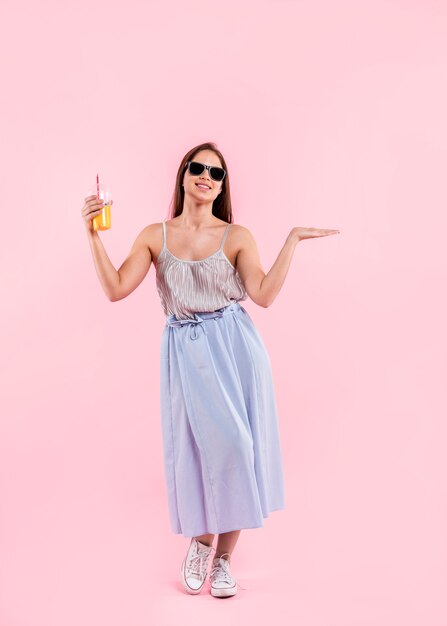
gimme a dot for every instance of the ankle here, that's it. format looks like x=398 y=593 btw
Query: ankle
x=207 y=540
x=205 y=543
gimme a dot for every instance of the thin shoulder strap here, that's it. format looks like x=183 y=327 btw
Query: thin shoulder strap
x=164 y=235
x=225 y=236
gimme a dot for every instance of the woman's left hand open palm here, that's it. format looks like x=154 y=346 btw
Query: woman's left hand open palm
x=302 y=232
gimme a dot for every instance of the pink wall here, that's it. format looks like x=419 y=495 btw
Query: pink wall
x=330 y=114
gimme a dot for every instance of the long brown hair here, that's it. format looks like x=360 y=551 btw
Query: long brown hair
x=221 y=205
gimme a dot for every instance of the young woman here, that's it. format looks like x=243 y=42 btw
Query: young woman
x=222 y=453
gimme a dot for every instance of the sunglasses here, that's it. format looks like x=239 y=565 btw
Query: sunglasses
x=195 y=169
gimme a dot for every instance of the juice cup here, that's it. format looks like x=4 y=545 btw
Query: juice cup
x=102 y=221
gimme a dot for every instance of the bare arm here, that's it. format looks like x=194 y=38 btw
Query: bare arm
x=107 y=274
x=117 y=284
x=261 y=287
x=135 y=267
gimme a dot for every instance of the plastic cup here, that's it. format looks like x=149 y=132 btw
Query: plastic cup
x=102 y=221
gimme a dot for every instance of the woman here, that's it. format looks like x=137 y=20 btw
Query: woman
x=222 y=454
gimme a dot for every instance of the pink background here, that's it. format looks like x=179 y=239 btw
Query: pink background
x=331 y=115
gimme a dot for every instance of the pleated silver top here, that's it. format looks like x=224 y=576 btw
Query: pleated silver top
x=188 y=287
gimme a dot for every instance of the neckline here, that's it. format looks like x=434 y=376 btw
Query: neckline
x=191 y=261
x=200 y=260
x=210 y=256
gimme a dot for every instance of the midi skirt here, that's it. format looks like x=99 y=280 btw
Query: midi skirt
x=220 y=432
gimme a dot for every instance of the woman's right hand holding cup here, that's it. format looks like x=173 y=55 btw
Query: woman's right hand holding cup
x=92 y=207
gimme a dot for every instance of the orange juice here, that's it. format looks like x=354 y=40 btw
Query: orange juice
x=103 y=220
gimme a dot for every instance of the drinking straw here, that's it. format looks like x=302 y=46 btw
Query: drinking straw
x=97 y=185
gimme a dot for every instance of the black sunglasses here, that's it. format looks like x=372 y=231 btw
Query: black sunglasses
x=195 y=169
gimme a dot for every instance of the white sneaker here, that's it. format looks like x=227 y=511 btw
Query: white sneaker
x=222 y=584
x=195 y=566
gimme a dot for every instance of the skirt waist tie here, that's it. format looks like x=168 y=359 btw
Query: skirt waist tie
x=193 y=323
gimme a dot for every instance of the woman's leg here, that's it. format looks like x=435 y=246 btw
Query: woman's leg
x=206 y=539
x=226 y=543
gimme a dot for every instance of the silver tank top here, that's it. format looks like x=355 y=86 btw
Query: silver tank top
x=188 y=287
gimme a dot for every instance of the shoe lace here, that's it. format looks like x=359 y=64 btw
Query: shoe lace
x=220 y=572
x=198 y=563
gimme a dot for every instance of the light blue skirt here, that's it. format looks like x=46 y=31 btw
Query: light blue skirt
x=222 y=453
